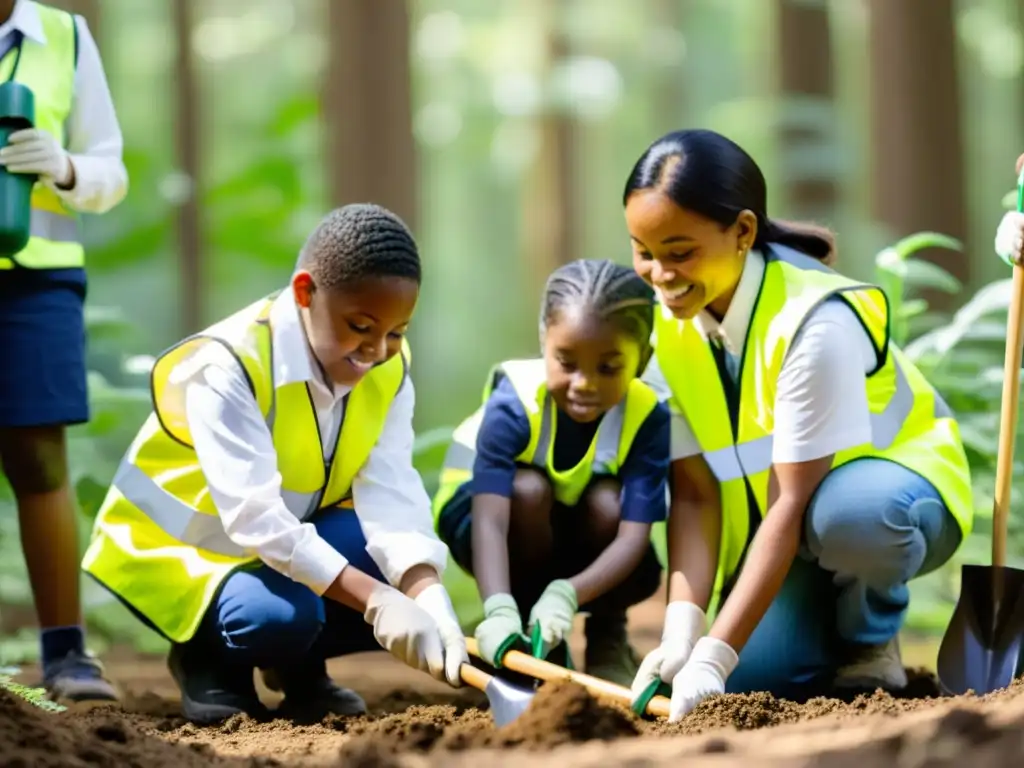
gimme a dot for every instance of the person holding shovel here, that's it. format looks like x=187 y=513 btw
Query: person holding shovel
x=1009 y=241
x=549 y=490
x=814 y=470
x=74 y=150
x=268 y=514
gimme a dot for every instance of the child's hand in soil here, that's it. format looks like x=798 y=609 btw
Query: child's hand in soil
x=703 y=675
x=685 y=624
x=554 y=612
x=1010 y=237
x=501 y=623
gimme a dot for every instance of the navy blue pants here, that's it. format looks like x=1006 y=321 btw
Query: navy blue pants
x=455 y=528
x=262 y=618
x=42 y=339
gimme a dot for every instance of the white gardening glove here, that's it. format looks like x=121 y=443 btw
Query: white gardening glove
x=33 y=150
x=435 y=601
x=703 y=675
x=405 y=630
x=501 y=622
x=554 y=612
x=1010 y=237
x=685 y=624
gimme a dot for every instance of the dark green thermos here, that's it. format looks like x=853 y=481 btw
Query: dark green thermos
x=17 y=111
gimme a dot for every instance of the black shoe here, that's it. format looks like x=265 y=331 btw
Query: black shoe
x=77 y=677
x=310 y=694
x=212 y=691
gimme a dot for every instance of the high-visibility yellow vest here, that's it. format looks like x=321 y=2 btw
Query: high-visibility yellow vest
x=911 y=425
x=158 y=542
x=49 y=71
x=606 y=454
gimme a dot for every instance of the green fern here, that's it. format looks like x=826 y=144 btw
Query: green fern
x=34 y=696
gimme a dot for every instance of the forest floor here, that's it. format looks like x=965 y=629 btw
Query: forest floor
x=414 y=721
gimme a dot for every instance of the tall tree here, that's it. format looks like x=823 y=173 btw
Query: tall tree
x=806 y=76
x=367 y=104
x=549 y=236
x=917 y=163
x=187 y=137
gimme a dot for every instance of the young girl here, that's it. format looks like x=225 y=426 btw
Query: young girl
x=230 y=528
x=550 y=489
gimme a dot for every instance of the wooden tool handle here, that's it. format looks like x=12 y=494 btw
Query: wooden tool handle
x=474 y=677
x=1008 y=417
x=545 y=670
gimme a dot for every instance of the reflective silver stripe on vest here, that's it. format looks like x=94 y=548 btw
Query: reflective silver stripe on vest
x=609 y=433
x=459 y=456
x=54 y=227
x=753 y=456
x=173 y=516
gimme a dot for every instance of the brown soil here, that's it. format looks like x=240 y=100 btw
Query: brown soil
x=416 y=722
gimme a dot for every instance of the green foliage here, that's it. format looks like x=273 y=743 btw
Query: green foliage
x=961 y=354
x=34 y=696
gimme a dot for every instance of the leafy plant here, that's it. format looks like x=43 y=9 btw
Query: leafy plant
x=961 y=354
x=34 y=696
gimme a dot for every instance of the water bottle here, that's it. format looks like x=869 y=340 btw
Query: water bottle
x=17 y=111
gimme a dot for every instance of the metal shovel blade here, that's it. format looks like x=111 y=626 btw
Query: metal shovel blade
x=981 y=650
x=508 y=701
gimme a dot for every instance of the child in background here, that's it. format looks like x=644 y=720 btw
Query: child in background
x=550 y=488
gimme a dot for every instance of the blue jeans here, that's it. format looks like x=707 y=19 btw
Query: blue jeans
x=871 y=526
x=262 y=618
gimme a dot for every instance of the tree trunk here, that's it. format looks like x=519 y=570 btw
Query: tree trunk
x=187 y=150
x=367 y=105
x=917 y=168
x=805 y=51
x=548 y=236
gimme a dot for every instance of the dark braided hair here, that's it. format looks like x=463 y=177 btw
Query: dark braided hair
x=358 y=241
x=608 y=291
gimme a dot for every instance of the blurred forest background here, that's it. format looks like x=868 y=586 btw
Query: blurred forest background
x=503 y=132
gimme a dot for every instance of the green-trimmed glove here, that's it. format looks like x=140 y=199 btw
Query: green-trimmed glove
x=554 y=612
x=501 y=627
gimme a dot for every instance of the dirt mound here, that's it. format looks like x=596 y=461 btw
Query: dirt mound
x=560 y=713
x=30 y=737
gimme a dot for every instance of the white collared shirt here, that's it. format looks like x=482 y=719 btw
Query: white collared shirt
x=821 y=402
x=93 y=134
x=236 y=452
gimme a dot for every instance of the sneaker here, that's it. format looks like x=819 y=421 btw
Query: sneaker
x=874 y=666
x=313 y=695
x=212 y=691
x=609 y=655
x=78 y=677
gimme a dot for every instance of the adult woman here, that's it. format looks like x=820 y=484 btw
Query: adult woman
x=814 y=471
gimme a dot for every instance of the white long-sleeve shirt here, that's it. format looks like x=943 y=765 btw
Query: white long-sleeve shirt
x=236 y=452
x=93 y=134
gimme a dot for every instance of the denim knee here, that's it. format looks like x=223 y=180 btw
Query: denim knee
x=876 y=522
x=265 y=627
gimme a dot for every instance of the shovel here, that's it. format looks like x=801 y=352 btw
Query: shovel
x=981 y=649
x=602 y=690
x=507 y=701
